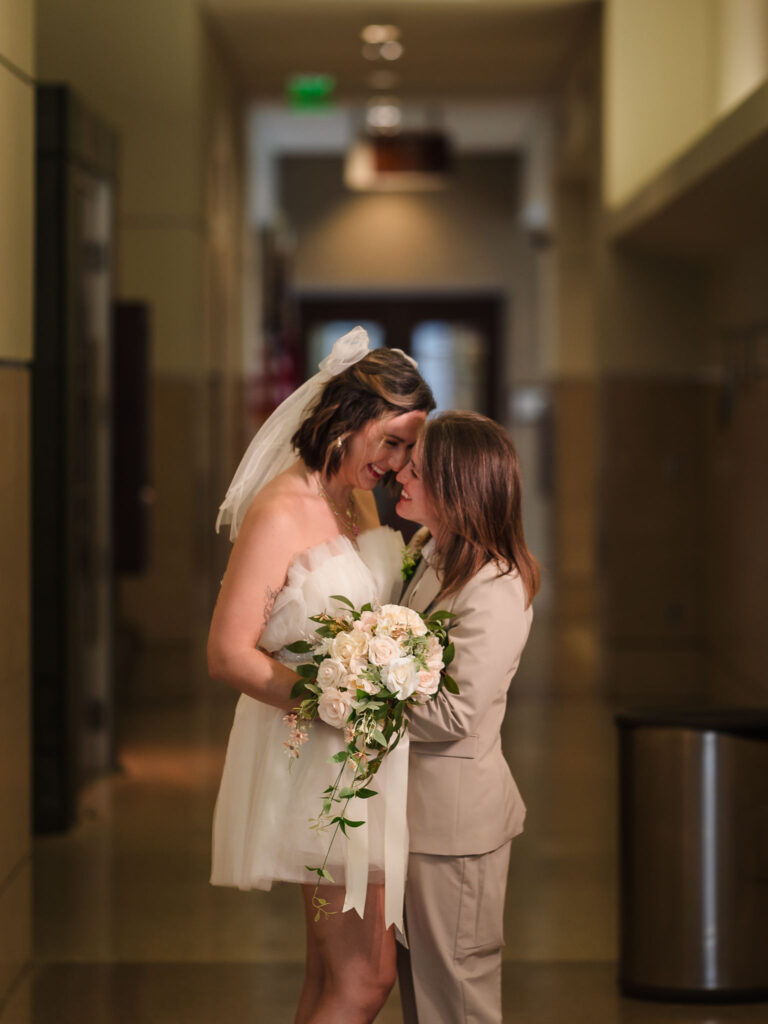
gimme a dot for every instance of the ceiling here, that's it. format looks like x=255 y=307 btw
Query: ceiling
x=452 y=48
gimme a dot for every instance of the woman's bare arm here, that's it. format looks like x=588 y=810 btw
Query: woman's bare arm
x=256 y=572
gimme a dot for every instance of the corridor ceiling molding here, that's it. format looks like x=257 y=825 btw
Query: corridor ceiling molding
x=468 y=48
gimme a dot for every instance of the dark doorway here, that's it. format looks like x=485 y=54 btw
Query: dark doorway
x=456 y=339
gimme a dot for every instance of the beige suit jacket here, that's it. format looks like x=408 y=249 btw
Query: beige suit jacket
x=462 y=799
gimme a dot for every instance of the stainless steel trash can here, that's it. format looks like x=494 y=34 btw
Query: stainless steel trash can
x=694 y=855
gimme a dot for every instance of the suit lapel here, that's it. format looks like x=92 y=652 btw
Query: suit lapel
x=423 y=588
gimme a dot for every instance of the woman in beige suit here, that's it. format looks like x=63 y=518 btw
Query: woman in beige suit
x=463 y=484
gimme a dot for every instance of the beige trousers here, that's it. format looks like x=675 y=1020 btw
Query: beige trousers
x=454 y=919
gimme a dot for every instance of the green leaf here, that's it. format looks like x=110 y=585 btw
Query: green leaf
x=346 y=793
x=325 y=631
x=365 y=794
x=450 y=684
x=367 y=607
x=448 y=654
x=379 y=737
x=352 y=824
x=344 y=600
x=341 y=756
x=324 y=873
x=441 y=615
x=298 y=689
x=299 y=647
x=308 y=671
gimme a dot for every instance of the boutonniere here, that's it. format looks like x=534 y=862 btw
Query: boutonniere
x=410 y=564
x=412 y=554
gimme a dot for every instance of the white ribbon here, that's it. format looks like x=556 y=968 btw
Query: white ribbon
x=357 y=859
x=395 y=796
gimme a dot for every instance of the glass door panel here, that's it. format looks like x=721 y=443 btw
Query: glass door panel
x=453 y=359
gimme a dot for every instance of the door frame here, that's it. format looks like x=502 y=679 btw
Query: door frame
x=399 y=311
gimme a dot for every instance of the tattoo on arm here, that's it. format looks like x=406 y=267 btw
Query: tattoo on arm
x=270 y=596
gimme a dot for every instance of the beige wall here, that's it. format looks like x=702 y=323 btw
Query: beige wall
x=737 y=482
x=457 y=240
x=672 y=69
x=16 y=249
x=742 y=58
x=683 y=502
x=152 y=72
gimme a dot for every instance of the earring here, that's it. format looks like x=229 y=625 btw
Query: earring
x=339 y=442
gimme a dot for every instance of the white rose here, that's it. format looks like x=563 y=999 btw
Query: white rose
x=330 y=673
x=346 y=646
x=391 y=616
x=400 y=677
x=356 y=665
x=414 y=622
x=333 y=707
x=434 y=654
x=427 y=682
x=384 y=649
x=369 y=686
x=352 y=682
x=366 y=622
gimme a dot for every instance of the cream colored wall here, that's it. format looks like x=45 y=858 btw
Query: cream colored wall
x=742 y=29
x=679 y=468
x=465 y=238
x=140 y=66
x=16 y=253
x=672 y=68
x=659 y=83
x=147 y=69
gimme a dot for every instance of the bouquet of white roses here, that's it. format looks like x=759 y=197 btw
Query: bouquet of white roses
x=365 y=668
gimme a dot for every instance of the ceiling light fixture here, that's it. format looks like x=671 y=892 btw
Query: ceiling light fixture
x=391 y=50
x=383 y=114
x=378 y=34
x=406 y=162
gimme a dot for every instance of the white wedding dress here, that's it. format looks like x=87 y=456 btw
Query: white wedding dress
x=261 y=826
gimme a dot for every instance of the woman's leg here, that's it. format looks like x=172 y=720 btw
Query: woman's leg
x=454 y=912
x=350 y=962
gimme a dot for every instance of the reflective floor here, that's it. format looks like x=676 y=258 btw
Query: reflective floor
x=127 y=930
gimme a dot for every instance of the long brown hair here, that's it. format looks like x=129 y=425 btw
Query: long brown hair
x=384 y=382
x=471 y=473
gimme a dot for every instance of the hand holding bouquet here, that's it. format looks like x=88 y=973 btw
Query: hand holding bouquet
x=366 y=668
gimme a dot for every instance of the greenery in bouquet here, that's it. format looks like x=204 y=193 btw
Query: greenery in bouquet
x=364 y=669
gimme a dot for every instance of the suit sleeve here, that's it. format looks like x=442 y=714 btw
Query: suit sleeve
x=490 y=629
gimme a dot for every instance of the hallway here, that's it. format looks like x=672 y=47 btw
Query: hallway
x=128 y=931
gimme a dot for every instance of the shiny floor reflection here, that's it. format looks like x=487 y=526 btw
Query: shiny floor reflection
x=128 y=931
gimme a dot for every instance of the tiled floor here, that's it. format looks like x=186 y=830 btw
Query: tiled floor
x=127 y=930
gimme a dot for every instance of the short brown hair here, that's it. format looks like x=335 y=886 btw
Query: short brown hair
x=471 y=473
x=384 y=382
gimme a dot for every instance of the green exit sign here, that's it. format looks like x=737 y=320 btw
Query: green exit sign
x=310 y=92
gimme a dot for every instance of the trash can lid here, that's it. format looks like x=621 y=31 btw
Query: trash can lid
x=751 y=722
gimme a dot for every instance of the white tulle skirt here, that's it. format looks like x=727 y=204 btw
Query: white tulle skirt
x=267 y=802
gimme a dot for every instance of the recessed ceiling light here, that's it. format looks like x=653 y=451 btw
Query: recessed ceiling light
x=371 y=51
x=378 y=34
x=383 y=114
x=391 y=50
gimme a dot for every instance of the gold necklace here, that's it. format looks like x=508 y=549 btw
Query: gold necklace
x=348 y=517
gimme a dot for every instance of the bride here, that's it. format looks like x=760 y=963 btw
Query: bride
x=305 y=527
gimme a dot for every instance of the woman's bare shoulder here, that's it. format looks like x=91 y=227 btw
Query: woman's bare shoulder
x=282 y=513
